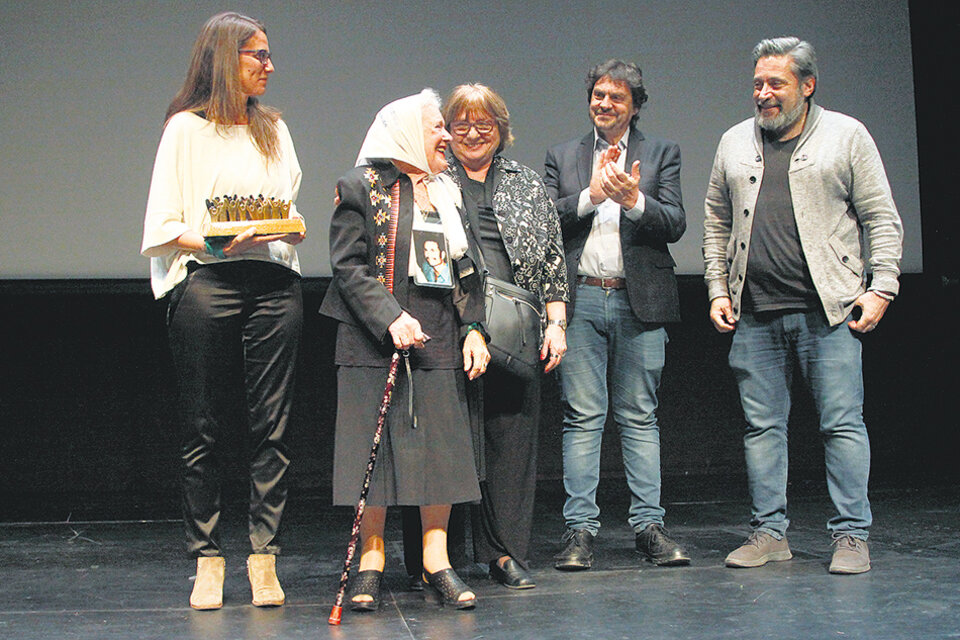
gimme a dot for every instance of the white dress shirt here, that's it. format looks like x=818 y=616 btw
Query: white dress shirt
x=602 y=256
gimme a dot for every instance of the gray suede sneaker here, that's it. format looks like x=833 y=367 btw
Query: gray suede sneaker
x=759 y=549
x=850 y=555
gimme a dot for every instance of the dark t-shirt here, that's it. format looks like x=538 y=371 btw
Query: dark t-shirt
x=478 y=201
x=777 y=274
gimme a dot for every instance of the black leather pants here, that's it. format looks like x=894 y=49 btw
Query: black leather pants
x=235 y=332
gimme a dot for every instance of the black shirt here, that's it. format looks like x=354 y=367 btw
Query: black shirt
x=478 y=201
x=777 y=275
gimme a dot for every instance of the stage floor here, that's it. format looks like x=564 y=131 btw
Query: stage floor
x=130 y=579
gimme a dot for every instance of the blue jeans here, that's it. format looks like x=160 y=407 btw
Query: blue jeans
x=612 y=358
x=764 y=352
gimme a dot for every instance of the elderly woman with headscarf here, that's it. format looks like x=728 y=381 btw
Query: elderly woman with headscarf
x=392 y=204
x=235 y=310
x=517 y=229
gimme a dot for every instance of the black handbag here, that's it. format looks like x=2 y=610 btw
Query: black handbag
x=514 y=324
x=512 y=313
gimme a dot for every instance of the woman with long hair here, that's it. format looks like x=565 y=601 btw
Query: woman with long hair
x=235 y=310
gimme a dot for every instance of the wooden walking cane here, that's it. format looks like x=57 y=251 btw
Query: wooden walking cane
x=337 y=611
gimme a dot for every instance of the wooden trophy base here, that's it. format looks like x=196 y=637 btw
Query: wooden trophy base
x=263 y=227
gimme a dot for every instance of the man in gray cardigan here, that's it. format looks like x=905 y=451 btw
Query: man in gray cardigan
x=791 y=191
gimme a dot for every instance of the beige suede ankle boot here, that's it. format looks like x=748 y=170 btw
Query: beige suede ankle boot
x=208 y=586
x=262 y=569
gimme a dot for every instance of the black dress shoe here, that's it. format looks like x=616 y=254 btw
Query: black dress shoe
x=577 y=553
x=511 y=575
x=654 y=543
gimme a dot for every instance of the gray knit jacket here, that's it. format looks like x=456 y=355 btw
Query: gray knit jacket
x=840 y=196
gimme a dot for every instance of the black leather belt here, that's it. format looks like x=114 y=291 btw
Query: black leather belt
x=605 y=283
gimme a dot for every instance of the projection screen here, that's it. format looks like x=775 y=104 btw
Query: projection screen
x=84 y=87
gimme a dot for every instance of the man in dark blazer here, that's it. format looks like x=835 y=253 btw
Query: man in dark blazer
x=618 y=196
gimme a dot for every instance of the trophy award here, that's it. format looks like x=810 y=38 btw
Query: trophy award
x=232 y=215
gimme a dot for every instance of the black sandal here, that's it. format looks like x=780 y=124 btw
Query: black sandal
x=366 y=583
x=448 y=586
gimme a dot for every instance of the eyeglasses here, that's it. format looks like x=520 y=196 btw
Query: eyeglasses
x=262 y=55
x=483 y=127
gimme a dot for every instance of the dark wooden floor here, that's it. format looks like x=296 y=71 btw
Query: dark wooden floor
x=130 y=579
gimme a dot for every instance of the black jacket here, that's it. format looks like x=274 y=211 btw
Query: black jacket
x=356 y=297
x=647 y=263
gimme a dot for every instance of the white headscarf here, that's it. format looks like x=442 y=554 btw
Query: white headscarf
x=397 y=134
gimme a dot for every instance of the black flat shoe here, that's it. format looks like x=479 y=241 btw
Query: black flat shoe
x=365 y=583
x=511 y=575
x=415 y=583
x=448 y=587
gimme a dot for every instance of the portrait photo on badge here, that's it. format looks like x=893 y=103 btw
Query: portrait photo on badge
x=433 y=264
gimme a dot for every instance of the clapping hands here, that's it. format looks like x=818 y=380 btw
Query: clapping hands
x=609 y=181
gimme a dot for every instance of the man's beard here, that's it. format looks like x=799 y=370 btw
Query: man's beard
x=783 y=120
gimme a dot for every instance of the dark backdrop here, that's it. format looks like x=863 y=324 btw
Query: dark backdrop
x=88 y=425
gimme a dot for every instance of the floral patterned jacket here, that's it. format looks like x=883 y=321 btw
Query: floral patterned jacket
x=530 y=229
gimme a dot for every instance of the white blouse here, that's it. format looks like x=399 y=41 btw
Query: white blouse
x=194 y=163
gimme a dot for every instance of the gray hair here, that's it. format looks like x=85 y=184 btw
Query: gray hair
x=431 y=97
x=803 y=59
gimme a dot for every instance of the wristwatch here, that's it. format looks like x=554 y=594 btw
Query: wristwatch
x=560 y=323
